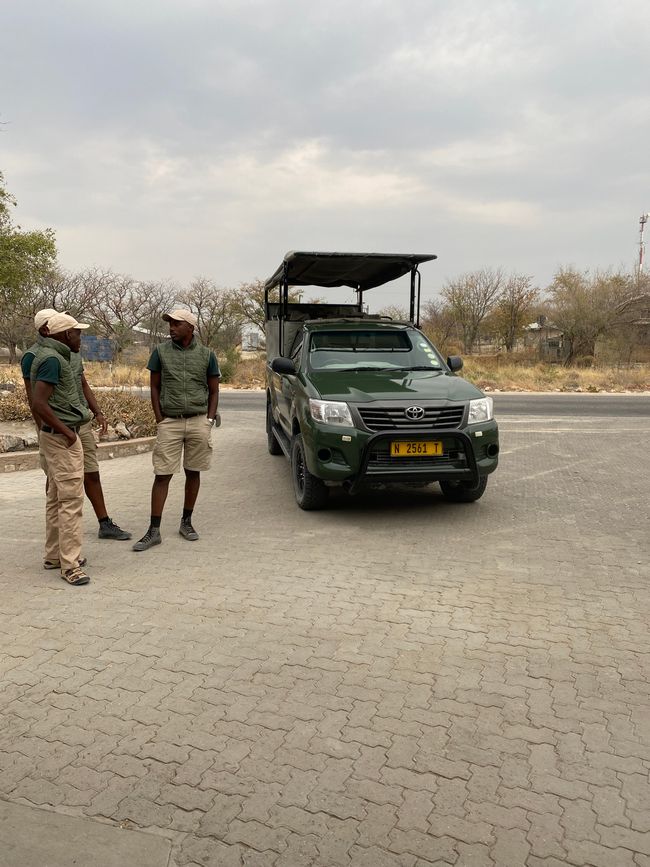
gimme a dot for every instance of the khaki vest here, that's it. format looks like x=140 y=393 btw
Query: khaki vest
x=64 y=400
x=184 y=378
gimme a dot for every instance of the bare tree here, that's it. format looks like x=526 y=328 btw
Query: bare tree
x=471 y=297
x=439 y=324
x=249 y=302
x=117 y=303
x=513 y=308
x=587 y=307
x=393 y=311
x=160 y=300
x=219 y=315
x=66 y=291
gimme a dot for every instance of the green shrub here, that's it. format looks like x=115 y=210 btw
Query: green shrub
x=228 y=364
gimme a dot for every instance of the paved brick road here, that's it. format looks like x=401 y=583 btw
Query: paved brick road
x=397 y=681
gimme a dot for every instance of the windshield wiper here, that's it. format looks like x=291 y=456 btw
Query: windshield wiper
x=361 y=368
x=420 y=367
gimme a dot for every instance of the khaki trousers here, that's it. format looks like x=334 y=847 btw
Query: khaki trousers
x=64 y=501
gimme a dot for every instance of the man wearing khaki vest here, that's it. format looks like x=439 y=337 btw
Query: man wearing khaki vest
x=108 y=529
x=55 y=401
x=184 y=396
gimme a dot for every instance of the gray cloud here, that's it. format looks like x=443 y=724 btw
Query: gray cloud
x=179 y=137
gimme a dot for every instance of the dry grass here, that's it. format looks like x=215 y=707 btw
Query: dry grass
x=100 y=373
x=250 y=373
x=499 y=374
x=117 y=406
x=492 y=373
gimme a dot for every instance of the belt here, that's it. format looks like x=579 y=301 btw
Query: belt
x=188 y=415
x=45 y=428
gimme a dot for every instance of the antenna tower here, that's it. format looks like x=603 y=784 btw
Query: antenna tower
x=642 y=222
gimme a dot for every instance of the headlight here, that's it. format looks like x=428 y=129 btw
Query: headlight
x=481 y=410
x=331 y=412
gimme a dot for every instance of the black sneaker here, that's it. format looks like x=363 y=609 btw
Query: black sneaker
x=110 y=530
x=151 y=537
x=188 y=532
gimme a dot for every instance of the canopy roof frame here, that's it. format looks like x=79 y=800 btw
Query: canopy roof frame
x=359 y=271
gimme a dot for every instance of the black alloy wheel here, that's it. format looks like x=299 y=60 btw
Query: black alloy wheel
x=311 y=493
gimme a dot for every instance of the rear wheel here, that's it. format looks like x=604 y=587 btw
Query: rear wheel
x=272 y=443
x=311 y=493
x=464 y=492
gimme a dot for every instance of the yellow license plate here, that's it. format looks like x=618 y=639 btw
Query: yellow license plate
x=415 y=449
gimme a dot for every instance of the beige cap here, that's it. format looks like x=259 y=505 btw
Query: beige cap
x=181 y=316
x=62 y=322
x=42 y=316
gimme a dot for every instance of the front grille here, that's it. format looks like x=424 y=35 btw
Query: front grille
x=385 y=418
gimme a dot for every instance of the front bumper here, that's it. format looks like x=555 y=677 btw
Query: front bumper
x=357 y=457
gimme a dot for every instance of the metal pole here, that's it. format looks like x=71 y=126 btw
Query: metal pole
x=642 y=222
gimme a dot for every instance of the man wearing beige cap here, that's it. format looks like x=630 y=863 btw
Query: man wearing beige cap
x=184 y=396
x=55 y=401
x=108 y=529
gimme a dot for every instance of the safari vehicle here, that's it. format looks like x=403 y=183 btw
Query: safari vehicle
x=358 y=400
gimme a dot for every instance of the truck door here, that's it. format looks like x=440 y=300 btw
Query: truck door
x=286 y=388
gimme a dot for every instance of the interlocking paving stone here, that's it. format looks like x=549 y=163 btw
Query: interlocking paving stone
x=396 y=680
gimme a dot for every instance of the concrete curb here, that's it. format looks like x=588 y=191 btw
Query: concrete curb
x=32 y=836
x=11 y=462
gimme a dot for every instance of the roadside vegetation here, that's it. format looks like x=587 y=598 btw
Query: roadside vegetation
x=593 y=326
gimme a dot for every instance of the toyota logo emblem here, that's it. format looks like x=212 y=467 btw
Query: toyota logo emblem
x=414 y=412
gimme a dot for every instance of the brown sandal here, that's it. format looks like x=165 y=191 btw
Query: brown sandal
x=76 y=576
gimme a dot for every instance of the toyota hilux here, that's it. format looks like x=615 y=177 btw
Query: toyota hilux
x=357 y=400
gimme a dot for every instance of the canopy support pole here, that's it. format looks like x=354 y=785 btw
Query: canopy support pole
x=283 y=308
x=414 y=307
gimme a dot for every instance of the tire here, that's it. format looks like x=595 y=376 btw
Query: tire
x=311 y=493
x=464 y=492
x=272 y=443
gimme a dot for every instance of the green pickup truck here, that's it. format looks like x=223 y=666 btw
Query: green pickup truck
x=357 y=400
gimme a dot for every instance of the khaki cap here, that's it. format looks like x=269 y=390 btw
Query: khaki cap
x=62 y=322
x=42 y=316
x=181 y=316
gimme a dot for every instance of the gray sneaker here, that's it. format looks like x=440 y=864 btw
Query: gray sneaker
x=110 y=530
x=188 y=532
x=151 y=537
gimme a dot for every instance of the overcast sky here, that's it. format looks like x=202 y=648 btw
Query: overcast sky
x=175 y=138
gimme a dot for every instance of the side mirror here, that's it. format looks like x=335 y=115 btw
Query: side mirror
x=454 y=363
x=284 y=366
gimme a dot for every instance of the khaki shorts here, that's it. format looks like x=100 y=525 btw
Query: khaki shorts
x=190 y=436
x=85 y=434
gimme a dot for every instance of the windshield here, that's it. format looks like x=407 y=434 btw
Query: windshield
x=372 y=350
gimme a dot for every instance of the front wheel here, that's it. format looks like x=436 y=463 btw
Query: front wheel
x=311 y=493
x=272 y=443
x=464 y=492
